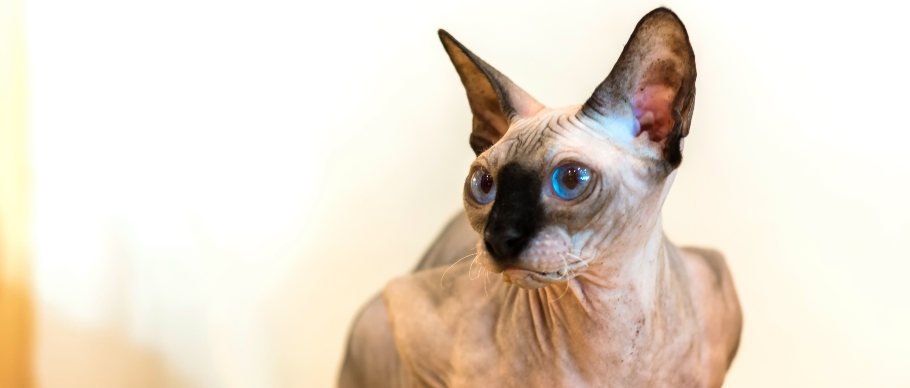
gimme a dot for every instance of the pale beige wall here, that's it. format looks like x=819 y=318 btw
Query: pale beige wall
x=220 y=186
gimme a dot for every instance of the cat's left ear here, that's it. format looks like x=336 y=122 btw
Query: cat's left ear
x=495 y=100
x=654 y=82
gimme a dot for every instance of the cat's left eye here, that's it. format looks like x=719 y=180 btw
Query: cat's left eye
x=569 y=181
x=482 y=186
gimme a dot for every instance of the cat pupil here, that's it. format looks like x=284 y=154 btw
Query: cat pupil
x=570 y=179
x=486 y=183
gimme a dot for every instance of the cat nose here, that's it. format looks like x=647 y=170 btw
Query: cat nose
x=505 y=244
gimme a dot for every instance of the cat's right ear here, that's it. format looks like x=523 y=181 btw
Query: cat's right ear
x=495 y=101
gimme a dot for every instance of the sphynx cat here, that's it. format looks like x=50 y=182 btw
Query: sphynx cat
x=574 y=282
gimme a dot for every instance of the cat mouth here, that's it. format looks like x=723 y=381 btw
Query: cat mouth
x=532 y=279
x=550 y=275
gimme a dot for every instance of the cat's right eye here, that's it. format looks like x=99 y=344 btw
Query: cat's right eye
x=570 y=180
x=482 y=187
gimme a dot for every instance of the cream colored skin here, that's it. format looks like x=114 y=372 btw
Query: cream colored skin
x=599 y=297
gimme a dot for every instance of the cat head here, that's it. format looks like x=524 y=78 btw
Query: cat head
x=552 y=190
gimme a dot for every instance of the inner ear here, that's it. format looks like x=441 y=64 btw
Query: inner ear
x=652 y=108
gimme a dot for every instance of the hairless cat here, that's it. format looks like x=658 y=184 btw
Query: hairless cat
x=575 y=282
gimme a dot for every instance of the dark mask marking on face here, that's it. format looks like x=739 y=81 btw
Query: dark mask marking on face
x=517 y=213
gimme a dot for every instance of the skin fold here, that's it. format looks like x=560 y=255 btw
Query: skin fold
x=533 y=289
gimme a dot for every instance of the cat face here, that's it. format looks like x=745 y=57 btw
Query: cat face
x=557 y=192
x=554 y=190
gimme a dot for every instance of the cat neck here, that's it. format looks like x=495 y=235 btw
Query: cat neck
x=620 y=303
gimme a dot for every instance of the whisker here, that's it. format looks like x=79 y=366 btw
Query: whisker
x=485 y=280
x=453 y=264
x=563 y=293
x=565 y=266
x=471 y=269
x=580 y=260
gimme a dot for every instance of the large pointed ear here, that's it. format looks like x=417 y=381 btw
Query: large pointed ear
x=654 y=80
x=495 y=101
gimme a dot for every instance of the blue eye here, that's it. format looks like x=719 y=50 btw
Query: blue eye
x=482 y=187
x=569 y=181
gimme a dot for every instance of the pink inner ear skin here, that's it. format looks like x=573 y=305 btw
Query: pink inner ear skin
x=652 y=110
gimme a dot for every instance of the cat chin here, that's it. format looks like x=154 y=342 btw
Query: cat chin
x=531 y=280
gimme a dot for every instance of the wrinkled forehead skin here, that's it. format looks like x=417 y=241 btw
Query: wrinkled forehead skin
x=567 y=130
x=552 y=131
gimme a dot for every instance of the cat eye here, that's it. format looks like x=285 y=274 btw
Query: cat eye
x=570 y=180
x=482 y=187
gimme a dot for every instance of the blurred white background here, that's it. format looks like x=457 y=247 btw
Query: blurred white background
x=221 y=185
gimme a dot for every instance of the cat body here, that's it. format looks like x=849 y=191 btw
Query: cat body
x=572 y=281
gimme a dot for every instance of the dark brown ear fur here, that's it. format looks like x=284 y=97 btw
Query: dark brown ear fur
x=495 y=101
x=654 y=79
